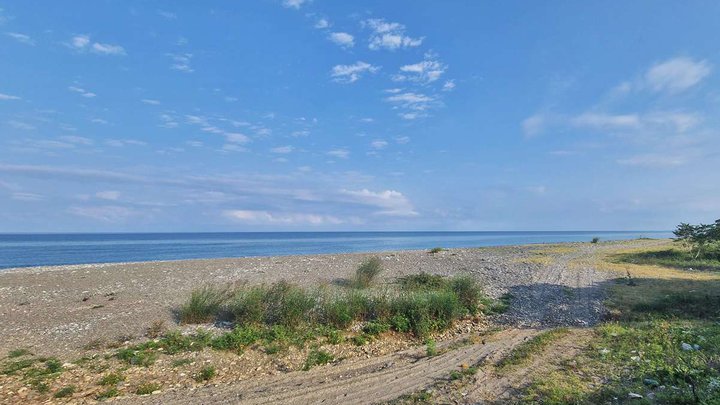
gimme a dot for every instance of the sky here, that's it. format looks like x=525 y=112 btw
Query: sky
x=300 y=115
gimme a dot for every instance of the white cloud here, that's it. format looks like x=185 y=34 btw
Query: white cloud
x=236 y=137
x=402 y=140
x=22 y=38
x=167 y=14
x=283 y=149
x=118 y=143
x=300 y=133
x=83 y=43
x=653 y=161
x=296 y=4
x=29 y=197
x=79 y=140
x=414 y=104
x=108 y=195
x=150 y=101
x=322 y=23
x=378 y=144
x=181 y=62
x=82 y=92
x=427 y=71
x=449 y=85
x=21 y=125
x=339 y=153
x=343 y=39
x=390 y=36
x=99 y=121
x=606 y=121
x=677 y=74
x=352 y=73
x=390 y=202
x=108 y=49
x=4 y=96
x=281 y=218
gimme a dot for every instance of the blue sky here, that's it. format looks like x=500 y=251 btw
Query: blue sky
x=374 y=115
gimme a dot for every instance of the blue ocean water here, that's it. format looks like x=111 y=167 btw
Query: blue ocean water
x=22 y=250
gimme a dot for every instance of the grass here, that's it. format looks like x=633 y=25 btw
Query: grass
x=422 y=304
x=206 y=373
x=525 y=350
x=147 y=389
x=317 y=357
x=640 y=350
x=18 y=353
x=203 y=305
x=430 y=348
x=112 y=379
x=366 y=273
x=435 y=250
x=108 y=393
x=674 y=257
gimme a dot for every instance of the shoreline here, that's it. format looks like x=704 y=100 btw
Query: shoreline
x=80 y=266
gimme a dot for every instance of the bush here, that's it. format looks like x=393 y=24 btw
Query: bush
x=317 y=357
x=206 y=374
x=431 y=348
x=366 y=272
x=65 y=391
x=147 y=389
x=422 y=281
x=204 y=305
x=595 y=240
x=468 y=292
x=435 y=250
x=112 y=379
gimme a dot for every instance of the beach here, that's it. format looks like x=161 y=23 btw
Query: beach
x=70 y=311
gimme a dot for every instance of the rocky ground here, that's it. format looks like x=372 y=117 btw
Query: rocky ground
x=86 y=310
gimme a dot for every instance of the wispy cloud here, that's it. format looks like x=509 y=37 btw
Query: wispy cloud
x=390 y=202
x=296 y=4
x=4 y=96
x=150 y=101
x=281 y=218
x=677 y=74
x=83 y=43
x=82 y=92
x=22 y=38
x=283 y=149
x=322 y=24
x=378 y=144
x=181 y=62
x=413 y=105
x=352 y=73
x=343 y=39
x=339 y=153
x=167 y=14
x=387 y=35
x=427 y=71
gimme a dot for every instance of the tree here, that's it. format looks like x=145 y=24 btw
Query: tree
x=697 y=237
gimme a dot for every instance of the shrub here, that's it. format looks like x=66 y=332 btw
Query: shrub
x=400 y=323
x=147 y=389
x=238 y=339
x=112 y=379
x=422 y=281
x=288 y=305
x=248 y=305
x=204 y=304
x=467 y=291
x=435 y=250
x=375 y=328
x=65 y=391
x=108 y=393
x=595 y=240
x=317 y=357
x=18 y=353
x=431 y=348
x=366 y=272
x=206 y=374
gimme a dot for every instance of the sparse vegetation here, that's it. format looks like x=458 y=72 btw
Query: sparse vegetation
x=435 y=250
x=147 y=389
x=366 y=272
x=112 y=379
x=156 y=329
x=317 y=357
x=108 y=393
x=524 y=351
x=430 y=348
x=206 y=374
x=203 y=305
x=595 y=240
x=65 y=392
x=18 y=353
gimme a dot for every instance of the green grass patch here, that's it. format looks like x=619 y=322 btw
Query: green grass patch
x=317 y=357
x=676 y=258
x=18 y=353
x=203 y=305
x=435 y=250
x=431 y=348
x=206 y=373
x=108 y=393
x=65 y=392
x=525 y=350
x=147 y=389
x=111 y=379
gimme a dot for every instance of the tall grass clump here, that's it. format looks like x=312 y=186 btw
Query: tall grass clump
x=281 y=303
x=366 y=272
x=204 y=304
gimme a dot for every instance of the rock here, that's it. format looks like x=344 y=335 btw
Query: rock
x=688 y=347
x=633 y=395
x=651 y=382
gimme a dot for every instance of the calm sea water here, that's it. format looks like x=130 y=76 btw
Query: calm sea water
x=24 y=250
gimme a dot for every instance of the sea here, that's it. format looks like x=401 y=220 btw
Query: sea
x=25 y=250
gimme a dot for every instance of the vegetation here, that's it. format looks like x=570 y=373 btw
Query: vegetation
x=595 y=240
x=18 y=353
x=676 y=258
x=112 y=379
x=203 y=305
x=65 y=391
x=206 y=374
x=430 y=348
x=317 y=357
x=697 y=237
x=108 y=393
x=524 y=351
x=147 y=389
x=435 y=250
x=366 y=273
